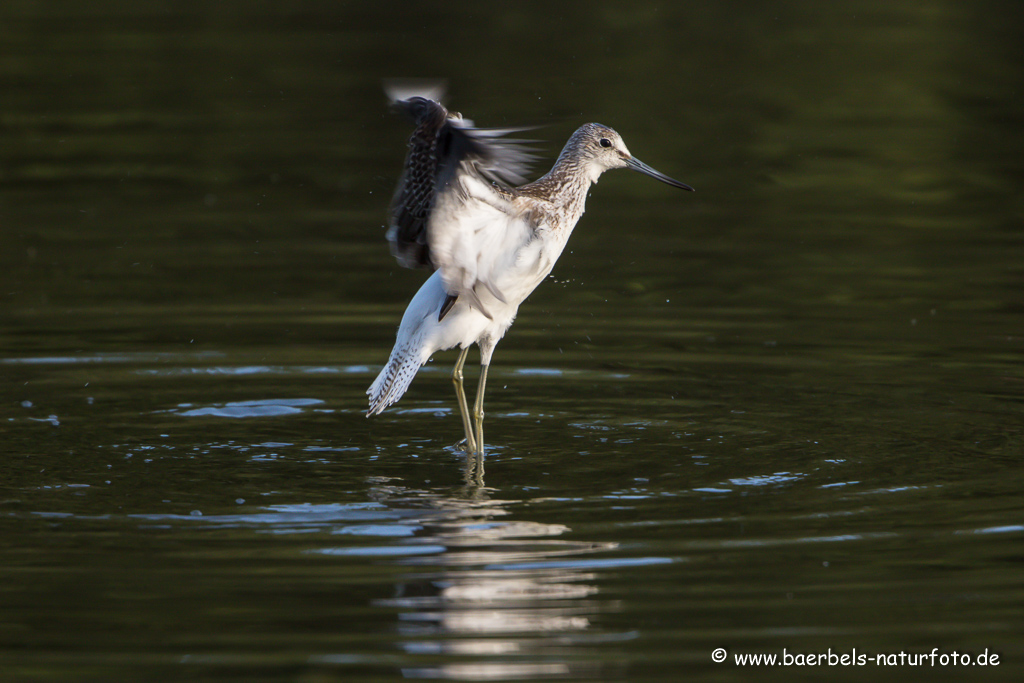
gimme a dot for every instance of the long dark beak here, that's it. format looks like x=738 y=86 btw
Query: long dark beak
x=637 y=165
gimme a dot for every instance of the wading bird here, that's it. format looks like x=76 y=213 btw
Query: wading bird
x=458 y=210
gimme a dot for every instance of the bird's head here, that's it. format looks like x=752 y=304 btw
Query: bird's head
x=601 y=149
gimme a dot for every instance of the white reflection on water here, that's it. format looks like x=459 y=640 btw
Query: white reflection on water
x=504 y=592
x=271 y=407
x=767 y=479
x=492 y=671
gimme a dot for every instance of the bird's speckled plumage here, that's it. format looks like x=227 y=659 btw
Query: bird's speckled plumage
x=415 y=194
x=490 y=243
x=440 y=142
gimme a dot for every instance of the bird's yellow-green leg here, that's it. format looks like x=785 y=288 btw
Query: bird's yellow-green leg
x=478 y=410
x=460 y=394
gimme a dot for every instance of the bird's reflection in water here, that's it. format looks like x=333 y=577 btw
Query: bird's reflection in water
x=473 y=474
x=504 y=599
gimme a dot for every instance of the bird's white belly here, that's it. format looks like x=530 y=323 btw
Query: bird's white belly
x=462 y=326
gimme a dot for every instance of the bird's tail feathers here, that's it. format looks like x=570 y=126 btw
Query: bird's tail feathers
x=393 y=381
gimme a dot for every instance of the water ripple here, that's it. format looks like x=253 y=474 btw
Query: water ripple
x=269 y=407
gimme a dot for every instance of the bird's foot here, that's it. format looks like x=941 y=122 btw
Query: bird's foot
x=463 y=445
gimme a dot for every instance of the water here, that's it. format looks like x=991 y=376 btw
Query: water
x=782 y=414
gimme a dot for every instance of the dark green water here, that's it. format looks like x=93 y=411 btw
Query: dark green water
x=782 y=414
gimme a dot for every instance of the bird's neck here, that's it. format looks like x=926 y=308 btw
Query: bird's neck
x=567 y=183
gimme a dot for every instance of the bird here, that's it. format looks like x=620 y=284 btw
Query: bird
x=463 y=208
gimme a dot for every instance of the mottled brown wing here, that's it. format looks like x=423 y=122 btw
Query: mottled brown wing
x=441 y=147
x=410 y=207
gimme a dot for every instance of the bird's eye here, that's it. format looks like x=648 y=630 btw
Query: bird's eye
x=605 y=142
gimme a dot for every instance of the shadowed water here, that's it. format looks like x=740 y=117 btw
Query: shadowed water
x=781 y=413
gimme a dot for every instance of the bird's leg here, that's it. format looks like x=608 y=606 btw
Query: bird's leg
x=478 y=410
x=460 y=394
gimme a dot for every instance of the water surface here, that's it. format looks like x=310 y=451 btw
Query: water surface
x=781 y=413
